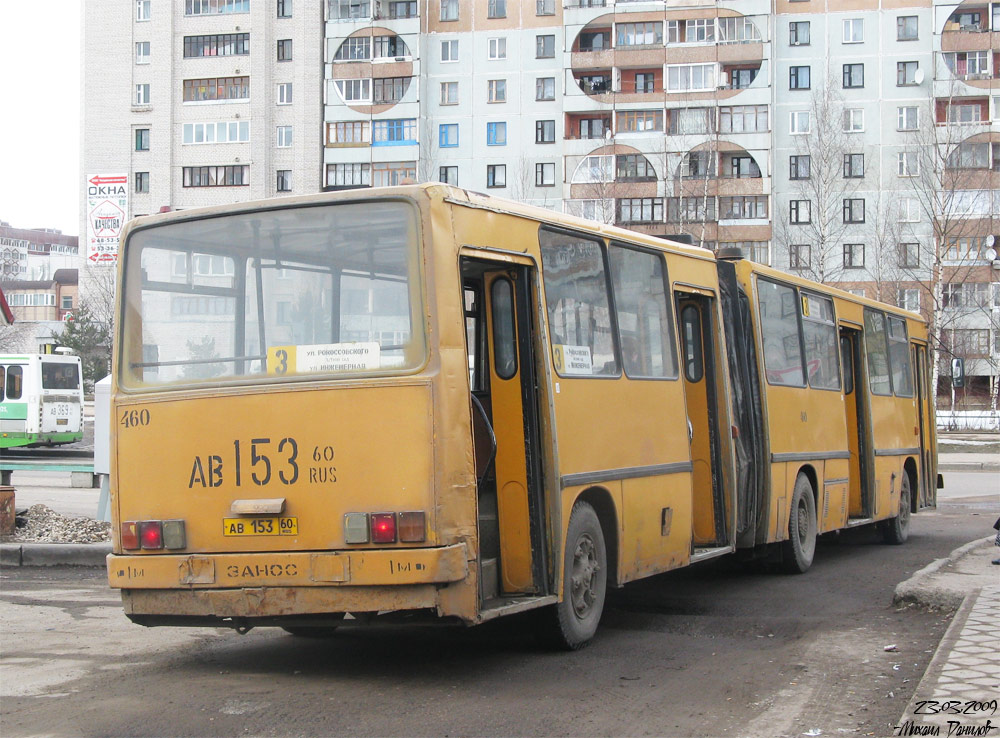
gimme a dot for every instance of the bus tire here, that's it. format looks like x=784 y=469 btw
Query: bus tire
x=573 y=622
x=896 y=530
x=799 y=549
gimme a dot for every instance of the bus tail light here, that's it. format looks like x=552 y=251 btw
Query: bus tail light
x=411 y=527
x=356 y=528
x=130 y=535
x=174 y=536
x=151 y=534
x=383 y=527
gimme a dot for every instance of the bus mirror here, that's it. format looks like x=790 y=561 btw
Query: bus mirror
x=958 y=372
x=940 y=481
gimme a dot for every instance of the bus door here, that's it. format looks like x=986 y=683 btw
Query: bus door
x=502 y=367
x=927 y=493
x=860 y=465
x=694 y=313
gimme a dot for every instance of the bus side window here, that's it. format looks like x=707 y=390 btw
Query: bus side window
x=3 y=380
x=847 y=359
x=504 y=334
x=15 y=378
x=691 y=334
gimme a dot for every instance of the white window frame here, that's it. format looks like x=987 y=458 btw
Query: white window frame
x=794 y=121
x=909 y=210
x=143 y=10
x=283 y=139
x=142 y=94
x=854 y=120
x=680 y=74
x=142 y=52
x=449 y=51
x=446 y=89
x=497 y=48
x=854 y=30
x=907 y=163
x=284 y=96
x=496 y=91
x=361 y=90
x=902 y=115
x=449 y=10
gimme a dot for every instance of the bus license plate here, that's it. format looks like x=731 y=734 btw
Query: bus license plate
x=260 y=526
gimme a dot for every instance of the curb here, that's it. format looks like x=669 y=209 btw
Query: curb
x=916 y=589
x=969 y=466
x=54 y=554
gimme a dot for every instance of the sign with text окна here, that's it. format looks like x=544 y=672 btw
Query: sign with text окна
x=107 y=210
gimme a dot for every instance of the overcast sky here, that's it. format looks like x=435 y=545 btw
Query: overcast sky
x=40 y=120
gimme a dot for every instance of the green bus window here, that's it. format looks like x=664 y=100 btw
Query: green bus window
x=576 y=295
x=779 y=327
x=694 y=365
x=643 y=311
x=899 y=358
x=877 y=353
x=504 y=333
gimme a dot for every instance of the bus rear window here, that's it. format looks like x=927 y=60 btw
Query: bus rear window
x=60 y=376
x=330 y=290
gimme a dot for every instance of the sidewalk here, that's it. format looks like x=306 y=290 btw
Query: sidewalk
x=959 y=691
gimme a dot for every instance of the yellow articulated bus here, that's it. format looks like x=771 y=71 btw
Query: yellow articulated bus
x=424 y=403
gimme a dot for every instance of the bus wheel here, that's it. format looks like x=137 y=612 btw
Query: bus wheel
x=896 y=530
x=573 y=621
x=800 y=547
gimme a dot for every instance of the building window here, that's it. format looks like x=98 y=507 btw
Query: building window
x=854 y=76
x=798 y=256
x=799 y=122
x=284 y=179
x=389 y=47
x=448 y=135
x=449 y=10
x=691 y=77
x=854 y=120
x=798 y=78
x=699 y=31
x=497 y=48
x=640 y=209
x=496 y=9
x=909 y=210
x=216 y=88
x=345 y=176
x=799 y=166
x=854 y=166
x=285 y=93
x=392 y=173
x=219 y=176
x=448 y=175
x=799 y=212
x=389 y=89
x=908 y=298
x=854 y=210
x=595 y=41
x=66 y=302
x=545 y=174
x=854 y=255
x=906 y=28
x=743 y=207
x=496 y=175
x=909 y=254
x=142 y=10
x=739 y=119
x=633 y=168
x=348 y=9
x=906 y=73
x=142 y=139
x=394 y=132
x=347 y=132
x=496 y=134
x=639 y=34
x=449 y=50
x=739 y=79
x=356 y=48
x=221 y=44
x=906 y=118
x=854 y=30
x=284 y=8
x=545 y=131
x=594 y=127
x=798 y=33
x=215 y=7
x=968 y=64
x=449 y=93
x=403 y=9
x=907 y=164
x=142 y=52
x=496 y=90
x=224 y=131
x=284 y=139
x=741 y=167
x=545 y=47
x=964 y=249
x=637 y=121
x=545 y=88
x=546 y=7
x=141 y=182
x=974 y=156
x=142 y=94
x=285 y=49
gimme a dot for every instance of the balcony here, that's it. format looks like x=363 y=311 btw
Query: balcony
x=969 y=29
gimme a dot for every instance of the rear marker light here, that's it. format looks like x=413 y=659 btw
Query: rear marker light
x=383 y=527
x=356 y=528
x=130 y=535
x=151 y=534
x=173 y=535
x=411 y=527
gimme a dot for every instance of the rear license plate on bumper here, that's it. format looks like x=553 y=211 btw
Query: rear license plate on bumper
x=260 y=526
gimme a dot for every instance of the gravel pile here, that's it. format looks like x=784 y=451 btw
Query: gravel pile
x=41 y=523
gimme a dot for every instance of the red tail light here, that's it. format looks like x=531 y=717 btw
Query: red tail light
x=383 y=528
x=151 y=534
x=130 y=535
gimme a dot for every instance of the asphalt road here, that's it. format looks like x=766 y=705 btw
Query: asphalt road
x=717 y=650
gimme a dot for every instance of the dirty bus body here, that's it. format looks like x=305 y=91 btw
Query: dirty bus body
x=424 y=401
x=41 y=400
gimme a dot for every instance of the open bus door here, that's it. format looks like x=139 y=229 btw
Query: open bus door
x=927 y=484
x=859 y=444
x=505 y=423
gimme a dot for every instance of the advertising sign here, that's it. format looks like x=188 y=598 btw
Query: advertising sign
x=107 y=210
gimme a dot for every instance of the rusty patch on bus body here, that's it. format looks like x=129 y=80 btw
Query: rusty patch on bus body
x=330 y=568
x=196 y=570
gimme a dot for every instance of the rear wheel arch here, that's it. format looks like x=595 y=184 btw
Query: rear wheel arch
x=607 y=514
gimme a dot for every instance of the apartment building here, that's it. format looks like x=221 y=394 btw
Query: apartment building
x=813 y=135
x=35 y=253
